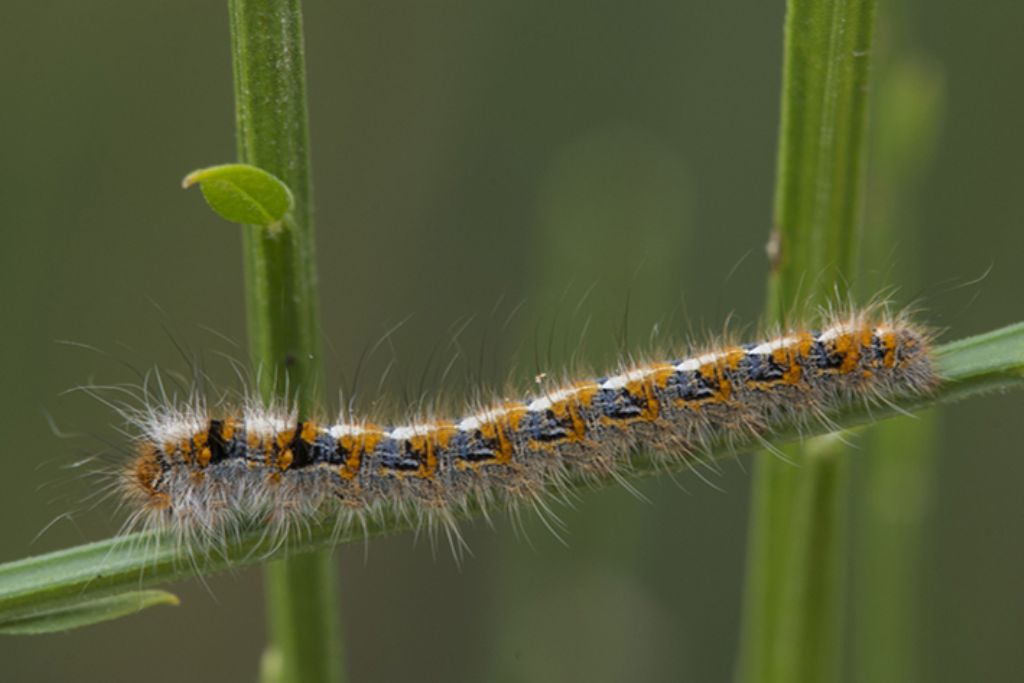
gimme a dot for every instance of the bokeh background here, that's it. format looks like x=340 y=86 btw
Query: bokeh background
x=508 y=178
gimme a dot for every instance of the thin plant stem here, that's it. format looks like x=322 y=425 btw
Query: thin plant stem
x=273 y=133
x=895 y=481
x=793 y=609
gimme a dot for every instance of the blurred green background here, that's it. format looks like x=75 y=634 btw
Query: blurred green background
x=506 y=178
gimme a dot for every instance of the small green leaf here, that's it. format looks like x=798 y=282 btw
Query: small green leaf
x=242 y=193
x=87 y=613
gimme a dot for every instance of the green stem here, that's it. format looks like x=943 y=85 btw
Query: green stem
x=793 y=609
x=273 y=134
x=895 y=483
x=60 y=580
x=820 y=160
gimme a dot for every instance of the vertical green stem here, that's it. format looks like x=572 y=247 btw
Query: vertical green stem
x=273 y=134
x=897 y=480
x=797 y=553
x=821 y=144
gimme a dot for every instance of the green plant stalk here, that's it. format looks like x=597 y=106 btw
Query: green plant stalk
x=796 y=556
x=273 y=134
x=63 y=579
x=895 y=481
x=895 y=496
x=820 y=159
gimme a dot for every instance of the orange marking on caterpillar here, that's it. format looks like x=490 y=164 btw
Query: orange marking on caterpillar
x=184 y=448
x=310 y=430
x=715 y=371
x=889 y=344
x=147 y=472
x=284 y=438
x=583 y=397
x=269 y=444
x=662 y=373
x=643 y=390
x=436 y=437
x=227 y=428
x=845 y=345
x=285 y=459
x=508 y=418
x=201 y=442
x=357 y=445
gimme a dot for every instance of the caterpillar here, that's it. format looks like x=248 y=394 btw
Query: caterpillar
x=203 y=475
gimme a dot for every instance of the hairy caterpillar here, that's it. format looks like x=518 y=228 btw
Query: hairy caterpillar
x=201 y=475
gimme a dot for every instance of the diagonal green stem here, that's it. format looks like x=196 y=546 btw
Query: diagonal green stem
x=61 y=580
x=273 y=134
x=796 y=557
